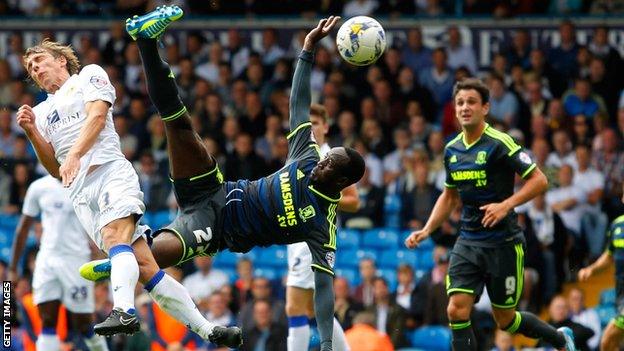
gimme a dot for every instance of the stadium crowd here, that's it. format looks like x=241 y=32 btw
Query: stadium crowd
x=565 y=104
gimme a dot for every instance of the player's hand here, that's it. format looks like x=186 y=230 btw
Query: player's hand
x=322 y=29
x=416 y=237
x=584 y=274
x=69 y=169
x=494 y=213
x=26 y=119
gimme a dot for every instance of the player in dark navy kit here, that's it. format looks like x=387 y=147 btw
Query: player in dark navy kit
x=481 y=163
x=295 y=204
x=614 y=333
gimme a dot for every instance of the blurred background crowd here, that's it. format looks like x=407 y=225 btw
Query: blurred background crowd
x=564 y=103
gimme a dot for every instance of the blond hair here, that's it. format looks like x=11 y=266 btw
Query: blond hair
x=56 y=50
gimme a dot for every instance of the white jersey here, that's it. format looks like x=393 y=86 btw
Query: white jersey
x=63 y=235
x=61 y=116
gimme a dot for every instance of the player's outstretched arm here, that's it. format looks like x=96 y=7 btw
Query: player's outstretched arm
x=442 y=209
x=94 y=124
x=21 y=234
x=604 y=261
x=43 y=149
x=324 y=307
x=300 y=97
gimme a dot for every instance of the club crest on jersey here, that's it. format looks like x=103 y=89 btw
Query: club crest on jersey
x=98 y=82
x=53 y=117
x=524 y=157
x=330 y=257
x=481 y=157
x=307 y=213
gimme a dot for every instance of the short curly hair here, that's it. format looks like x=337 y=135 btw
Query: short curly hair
x=56 y=50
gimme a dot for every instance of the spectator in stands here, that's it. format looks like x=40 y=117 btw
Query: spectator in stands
x=562 y=153
x=373 y=136
x=417 y=202
x=581 y=100
x=22 y=177
x=394 y=172
x=408 y=89
x=264 y=333
x=154 y=186
x=364 y=293
x=7 y=134
x=244 y=282
x=244 y=163
x=415 y=54
x=419 y=130
x=606 y=7
x=347 y=130
x=429 y=299
x=370 y=212
x=535 y=98
x=459 y=54
x=129 y=142
x=604 y=84
x=345 y=308
x=584 y=316
x=389 y=316
x=209 y=70
x=539 y=66
x=610 y=162
x=600 y=48
x=581 y=134
x=593 y=221
x=218 y=311
x=253 y=121
x=364 y=336
x=273 y=130
x=235 y=105
x=520 y=49
x=279 y=154
x=14 y=55
x=6 y=95
x=205 y=281
x=563 y=57
x=504 y=106
x=559 y=316
x=390 y=111
x=439 y=80
x=373 y=163
x=405 y=287
x=138 y=116
x=359 y=8
x=261 y=291
x=503 y=341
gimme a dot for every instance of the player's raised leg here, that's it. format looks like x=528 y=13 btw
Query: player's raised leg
x=187 y=155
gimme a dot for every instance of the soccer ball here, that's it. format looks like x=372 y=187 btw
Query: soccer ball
x=361 y=40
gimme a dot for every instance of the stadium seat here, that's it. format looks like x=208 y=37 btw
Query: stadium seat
x=392 y=203
x=348 y=239
x=432 y=338
x=231 y=273
x=351 y=258
x=226 y=259
x=425 y=260
x=393 y=258
x=606 y=313
x=380 y=238
x=351 y=275
x=607 y=297
x=160 y=219
x=272 y=256
x=390 y=276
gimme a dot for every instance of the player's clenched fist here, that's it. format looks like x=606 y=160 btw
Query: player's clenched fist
x=26 y=118
x=415 y=238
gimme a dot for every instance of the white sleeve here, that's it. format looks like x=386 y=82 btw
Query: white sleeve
x=40 y=120
x=31 y=206
x=96 y=85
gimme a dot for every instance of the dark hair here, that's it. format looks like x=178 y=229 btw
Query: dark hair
x=354 y=170
x=470 y=84
x=319 y=111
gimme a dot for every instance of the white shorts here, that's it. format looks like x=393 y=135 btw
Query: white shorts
x=300 y=273
x=110 y=192
x=57 y=278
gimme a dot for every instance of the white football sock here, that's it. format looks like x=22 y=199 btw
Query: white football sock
x=48 y=342
x=174 y=299
x=339 y=341
x=96 y=343
x=298 y=333
x=124 y=276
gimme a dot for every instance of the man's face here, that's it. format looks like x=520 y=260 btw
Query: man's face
x=329 y=168
x=262 y=314
x=558 y=309
x=44 y=69
x=319 y=128
x=469 y=108
x=261 y=289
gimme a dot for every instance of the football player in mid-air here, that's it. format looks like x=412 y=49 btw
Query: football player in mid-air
x=480 y=165
x=614 y=333
x=296 y=204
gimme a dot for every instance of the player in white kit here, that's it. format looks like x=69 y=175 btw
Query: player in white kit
x=74 y=137
x=300 y=281
x=64 y=247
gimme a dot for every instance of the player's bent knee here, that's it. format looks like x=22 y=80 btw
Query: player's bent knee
x=458 y=309
x=503 y=317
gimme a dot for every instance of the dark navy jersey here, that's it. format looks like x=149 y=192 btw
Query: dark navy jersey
x=284 y=207
x=483 y=173
x=615 y=237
